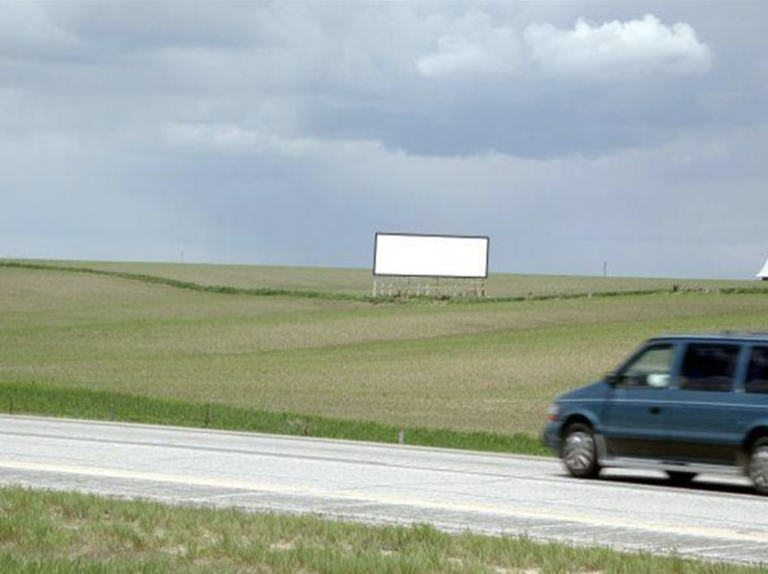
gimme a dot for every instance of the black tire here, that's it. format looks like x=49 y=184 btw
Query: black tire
x=680 y=477
x=758 y=465
x=579 y=451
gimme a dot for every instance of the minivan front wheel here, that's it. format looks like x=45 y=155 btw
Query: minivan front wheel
x=580 y=451
x=758 y=465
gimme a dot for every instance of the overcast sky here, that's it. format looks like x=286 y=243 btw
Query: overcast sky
x=571 y=133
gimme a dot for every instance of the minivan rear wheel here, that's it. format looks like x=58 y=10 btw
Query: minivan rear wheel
x=580 y=451
x=758 y=465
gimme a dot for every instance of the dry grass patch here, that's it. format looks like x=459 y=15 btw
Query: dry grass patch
x=60 y=533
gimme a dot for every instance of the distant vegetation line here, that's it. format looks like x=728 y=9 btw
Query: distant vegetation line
x=82 y=403
x=155 y=279
x=313 y=294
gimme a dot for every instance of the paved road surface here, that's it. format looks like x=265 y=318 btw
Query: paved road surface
x=714 y=518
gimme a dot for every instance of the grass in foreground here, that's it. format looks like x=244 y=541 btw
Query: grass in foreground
x=59 y=533
x=34 y=399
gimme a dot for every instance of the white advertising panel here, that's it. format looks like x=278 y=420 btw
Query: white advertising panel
x=409 y=255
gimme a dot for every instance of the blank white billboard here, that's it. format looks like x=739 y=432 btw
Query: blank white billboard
x=409 y=255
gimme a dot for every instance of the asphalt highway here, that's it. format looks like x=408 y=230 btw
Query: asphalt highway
x=714 y=518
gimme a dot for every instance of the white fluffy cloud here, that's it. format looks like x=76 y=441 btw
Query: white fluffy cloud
x=475 y=45
x=618 y=49
x=230 y=138
x=613 y=50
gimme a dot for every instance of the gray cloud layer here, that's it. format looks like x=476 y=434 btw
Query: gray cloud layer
x=571 y=133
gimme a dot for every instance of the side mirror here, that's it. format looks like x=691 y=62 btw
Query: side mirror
x=613 y=379
x=658 y=380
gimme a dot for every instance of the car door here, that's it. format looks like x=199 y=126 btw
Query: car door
x=705 y=416
x=634 y=419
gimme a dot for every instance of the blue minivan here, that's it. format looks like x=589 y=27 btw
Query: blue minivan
x=684 y=404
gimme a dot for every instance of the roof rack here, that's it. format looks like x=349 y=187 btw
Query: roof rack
x=745 y=333
x=715 y=335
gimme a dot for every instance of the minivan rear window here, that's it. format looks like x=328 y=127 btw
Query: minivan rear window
x=709 y=367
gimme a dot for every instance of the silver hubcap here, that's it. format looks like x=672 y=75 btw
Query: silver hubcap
x=579 y=451
x=758 y=468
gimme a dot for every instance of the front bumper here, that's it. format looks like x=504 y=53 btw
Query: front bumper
x=551 y=438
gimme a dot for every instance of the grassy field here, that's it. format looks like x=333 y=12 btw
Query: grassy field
x=56 y=533
x=487 y=367
x=359 y=282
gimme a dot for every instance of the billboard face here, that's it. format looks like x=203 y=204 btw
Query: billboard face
x=408 y=255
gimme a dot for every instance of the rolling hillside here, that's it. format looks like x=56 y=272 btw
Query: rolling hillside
x=315 y=343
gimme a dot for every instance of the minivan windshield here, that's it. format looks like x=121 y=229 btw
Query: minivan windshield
x=651 y=368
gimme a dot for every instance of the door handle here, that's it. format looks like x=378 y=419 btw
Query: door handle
x=655 y=410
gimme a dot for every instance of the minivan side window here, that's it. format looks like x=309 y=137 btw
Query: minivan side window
x=651 y=369
x=757 y=374
x=709 y=367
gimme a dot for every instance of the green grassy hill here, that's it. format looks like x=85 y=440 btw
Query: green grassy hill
x=312 y=342
x=359 y=282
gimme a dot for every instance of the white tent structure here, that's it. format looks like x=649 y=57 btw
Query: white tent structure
x=764 y=272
